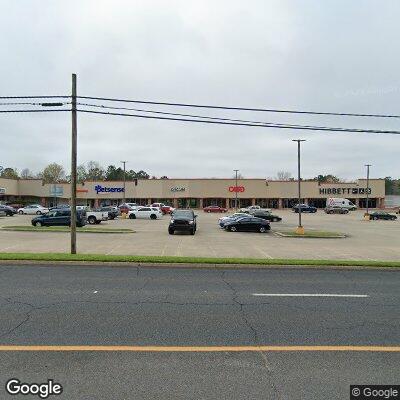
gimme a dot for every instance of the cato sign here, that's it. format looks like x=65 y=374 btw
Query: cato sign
x=236 y=189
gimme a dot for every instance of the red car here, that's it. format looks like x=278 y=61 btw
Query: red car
x=164 y=208
x=210 y=209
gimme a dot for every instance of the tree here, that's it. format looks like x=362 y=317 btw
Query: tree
x=94 y=171
x=26 y=173
x=142 y=175
x=53 y=173
x=114 y=174
x=326 y=179
x=283 y=176
x=9 y=173
x=81 y=173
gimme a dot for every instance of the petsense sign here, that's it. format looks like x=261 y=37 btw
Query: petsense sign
x=103 y=189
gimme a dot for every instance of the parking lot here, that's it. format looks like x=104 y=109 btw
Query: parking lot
x=367 y=240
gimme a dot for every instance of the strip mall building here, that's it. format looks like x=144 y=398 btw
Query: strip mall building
x=194 y=193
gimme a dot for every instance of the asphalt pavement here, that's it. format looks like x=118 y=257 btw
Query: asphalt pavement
x=200 y=309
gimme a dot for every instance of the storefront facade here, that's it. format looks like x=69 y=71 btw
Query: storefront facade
x=193 y=193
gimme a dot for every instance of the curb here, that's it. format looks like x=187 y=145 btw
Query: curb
x=310 y=237
x=191 y=266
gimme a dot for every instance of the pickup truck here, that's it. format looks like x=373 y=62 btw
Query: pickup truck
x=95 y=217
x=253 y=209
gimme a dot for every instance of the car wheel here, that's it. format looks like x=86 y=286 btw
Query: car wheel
x=171 y=231
x=232 y=228
x=132 y=216
x=153 y=216
x=92 y=220
x=262 y=229
x=38 y=213
x=192 y=232
x=275 y=219
x=20 y=212
x=38 y=224
x=375 y=218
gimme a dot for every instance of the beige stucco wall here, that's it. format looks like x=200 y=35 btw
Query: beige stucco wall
x=194 y=188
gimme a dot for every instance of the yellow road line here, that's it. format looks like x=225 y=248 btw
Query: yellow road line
x=199 y=349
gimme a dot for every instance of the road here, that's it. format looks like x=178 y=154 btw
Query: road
x=204 y=310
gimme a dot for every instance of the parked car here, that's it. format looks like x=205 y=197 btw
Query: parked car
x=164 y=208
x=60 y=206
x=210 y=209
x=124 y=209
x=145 y=213
x=382 y=215
x=95 y=217
x=33 y=209
x=8 y=211
x=60 y=217
x=336 y=210
x=2 y=213
x=268 y=216
x=304 y=208
x=247 y=224
x=113 y=212
x=227 y=218
x=183 y=220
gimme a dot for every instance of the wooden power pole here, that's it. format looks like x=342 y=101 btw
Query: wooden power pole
x=73 y=166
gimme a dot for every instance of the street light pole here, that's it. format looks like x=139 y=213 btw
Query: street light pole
x=300 y=229
x=367 y=165
x=124 y=199
x=236 y=192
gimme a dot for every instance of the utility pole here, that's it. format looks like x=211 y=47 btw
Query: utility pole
x=124 y=199
x=236 y=192
x=367 y=213
x=300 y=229
x=73 y=166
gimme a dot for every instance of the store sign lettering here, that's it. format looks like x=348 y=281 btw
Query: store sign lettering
x=345 y=191
x=103 y=189
x=178 y=189
x=236 y=189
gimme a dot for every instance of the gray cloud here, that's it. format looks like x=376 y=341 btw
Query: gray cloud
x=329 y=56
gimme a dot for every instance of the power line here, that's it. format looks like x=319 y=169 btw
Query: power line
x=183 y=115
x=241 y=108
x=30 y=111
x=34 y=97
x=265 y=125
x=32 y=104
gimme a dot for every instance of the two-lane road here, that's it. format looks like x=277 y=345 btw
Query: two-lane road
x=274 y=322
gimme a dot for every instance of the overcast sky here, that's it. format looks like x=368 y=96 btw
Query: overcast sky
x=309 y=55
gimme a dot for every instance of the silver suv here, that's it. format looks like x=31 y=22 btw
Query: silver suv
x=336 y=210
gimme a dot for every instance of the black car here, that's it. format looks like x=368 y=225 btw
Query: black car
x=183 y=220
x=60 y=217
x=8 y=210
x=304 y=208
x=113 y=212
x=267 y=216
x=382 y=215
x=248 y=224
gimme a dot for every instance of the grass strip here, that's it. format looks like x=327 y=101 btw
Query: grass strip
x=190 y=260
x=28 y=228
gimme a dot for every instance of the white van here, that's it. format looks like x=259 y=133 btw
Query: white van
x=340 y=202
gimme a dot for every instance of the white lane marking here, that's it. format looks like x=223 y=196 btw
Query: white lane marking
x=95 y=291
x=308 y=295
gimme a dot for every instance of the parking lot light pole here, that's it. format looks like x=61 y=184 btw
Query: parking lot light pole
x=236 y=192
x=367 y=213
x=73 y=165
x=124 y=198
x=300 y=229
